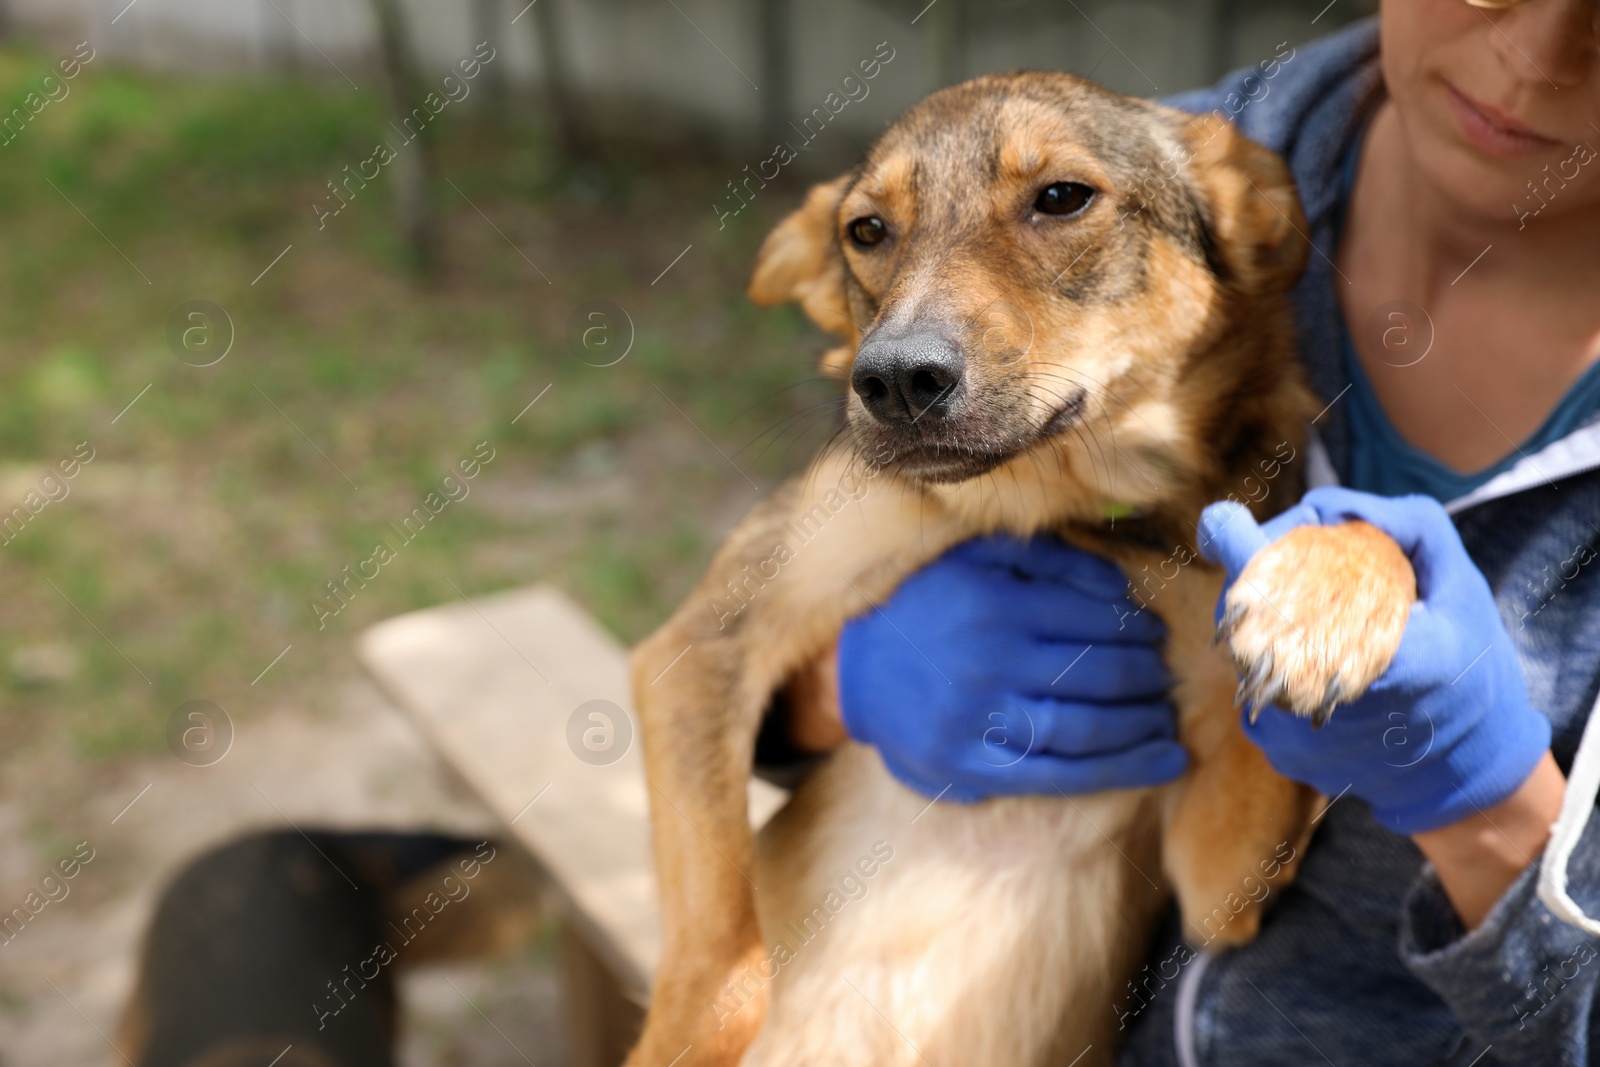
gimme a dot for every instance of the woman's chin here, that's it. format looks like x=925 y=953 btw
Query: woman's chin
x=1476 y=189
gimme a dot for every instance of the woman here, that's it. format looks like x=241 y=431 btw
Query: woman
x=1450 y=319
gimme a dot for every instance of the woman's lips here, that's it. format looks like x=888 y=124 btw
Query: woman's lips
x=1493 y=132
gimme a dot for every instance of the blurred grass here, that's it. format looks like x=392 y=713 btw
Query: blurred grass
x=189 y=550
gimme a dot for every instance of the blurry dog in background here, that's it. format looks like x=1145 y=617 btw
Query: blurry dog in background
x=283 y=947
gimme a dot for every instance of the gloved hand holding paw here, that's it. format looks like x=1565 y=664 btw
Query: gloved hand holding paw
x=1448 y=729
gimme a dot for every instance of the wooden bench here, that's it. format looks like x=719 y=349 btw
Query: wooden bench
x=493 y=684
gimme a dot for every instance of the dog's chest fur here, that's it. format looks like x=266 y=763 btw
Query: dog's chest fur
x=955 y=945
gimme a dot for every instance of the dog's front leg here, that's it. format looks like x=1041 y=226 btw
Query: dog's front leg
x=1312 y=621
x=1235 y=829
x=699 y=716
x=778 y=591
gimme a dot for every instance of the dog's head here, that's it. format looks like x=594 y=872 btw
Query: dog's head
x=1031 y=266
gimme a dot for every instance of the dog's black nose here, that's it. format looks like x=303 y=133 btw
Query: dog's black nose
x=903 y=379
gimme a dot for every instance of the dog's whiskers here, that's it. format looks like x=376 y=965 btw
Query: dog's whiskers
x=790 y=425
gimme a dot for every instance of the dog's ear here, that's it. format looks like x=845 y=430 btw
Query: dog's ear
x=800 y=260
x=1252 y=208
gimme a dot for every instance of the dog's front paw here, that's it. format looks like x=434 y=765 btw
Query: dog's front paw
x=1316 y=617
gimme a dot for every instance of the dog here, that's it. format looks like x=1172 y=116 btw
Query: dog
x=1062 y=310
x=282 y=947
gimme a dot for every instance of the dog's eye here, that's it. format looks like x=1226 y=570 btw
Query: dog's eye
x=867 y=231
x=1063 y=198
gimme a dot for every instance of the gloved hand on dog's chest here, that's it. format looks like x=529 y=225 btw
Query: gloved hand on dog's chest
x=1012 y=667
x=1448 y=728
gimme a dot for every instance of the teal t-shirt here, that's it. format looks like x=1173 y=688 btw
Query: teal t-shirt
x=1383 y=462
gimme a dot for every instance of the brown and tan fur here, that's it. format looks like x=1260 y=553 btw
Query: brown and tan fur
x=1136 y=359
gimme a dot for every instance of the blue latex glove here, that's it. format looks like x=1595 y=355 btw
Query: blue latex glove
x=1448 y=728
x=1011 y=667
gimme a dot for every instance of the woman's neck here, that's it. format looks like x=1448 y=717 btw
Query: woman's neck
x=1502 y=320
x=1436 y=237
